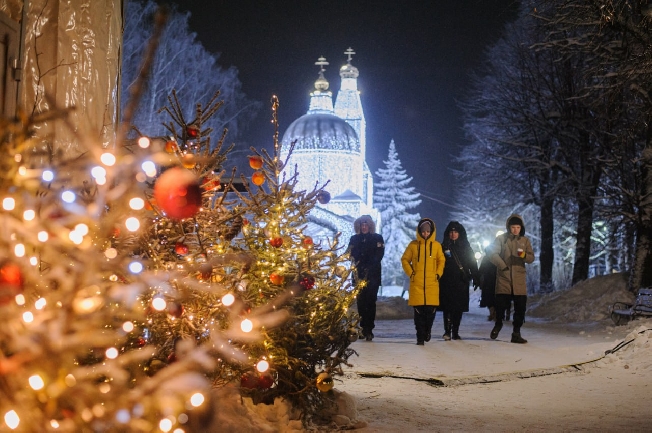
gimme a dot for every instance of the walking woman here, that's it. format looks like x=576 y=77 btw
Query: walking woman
x=423 y=261
x=460 y=269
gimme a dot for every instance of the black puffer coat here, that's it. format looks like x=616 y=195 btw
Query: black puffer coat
x=367 y=251
x=454 y=284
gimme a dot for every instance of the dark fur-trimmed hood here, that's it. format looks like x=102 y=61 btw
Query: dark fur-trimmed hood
x=370 y=222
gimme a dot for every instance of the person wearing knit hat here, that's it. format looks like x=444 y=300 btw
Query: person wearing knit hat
x=510 y=252
x=367 y=249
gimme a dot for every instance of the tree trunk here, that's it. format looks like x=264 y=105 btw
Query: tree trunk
x=641 y=272
x=547 y=255
x=586 y=204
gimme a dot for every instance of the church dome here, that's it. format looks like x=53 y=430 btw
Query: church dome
x=349 y=71
x=321 y=131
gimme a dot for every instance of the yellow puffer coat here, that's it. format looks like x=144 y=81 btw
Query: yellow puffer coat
x=423 y=261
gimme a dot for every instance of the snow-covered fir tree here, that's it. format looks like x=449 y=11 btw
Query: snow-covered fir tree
x=394 y=198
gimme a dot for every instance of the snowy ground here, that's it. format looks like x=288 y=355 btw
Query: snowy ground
x=560 y=381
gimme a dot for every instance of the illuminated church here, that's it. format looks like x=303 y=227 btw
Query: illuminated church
x=330 y=145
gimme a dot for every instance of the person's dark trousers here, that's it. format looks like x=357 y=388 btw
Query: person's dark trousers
x=447 y=326
x=424 y=316
x=366 y=301
x=430 y=311
x=456 y=319
x=518 y=318
x=520 y=305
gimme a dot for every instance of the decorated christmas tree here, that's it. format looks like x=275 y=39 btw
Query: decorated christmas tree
x=246 y=257
x=135 y=282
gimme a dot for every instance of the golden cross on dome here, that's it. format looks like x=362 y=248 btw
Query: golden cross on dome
x=349 y=53
x=321 y=62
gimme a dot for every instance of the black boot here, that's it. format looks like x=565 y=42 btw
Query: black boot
x=516 y=338
x=447 y=326
x=494 y=332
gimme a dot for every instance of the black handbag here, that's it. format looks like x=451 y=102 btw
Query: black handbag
x=466 y=276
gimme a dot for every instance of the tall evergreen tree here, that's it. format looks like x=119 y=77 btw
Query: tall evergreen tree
x=393 y=198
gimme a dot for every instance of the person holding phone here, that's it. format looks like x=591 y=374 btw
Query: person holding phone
x=510 y=252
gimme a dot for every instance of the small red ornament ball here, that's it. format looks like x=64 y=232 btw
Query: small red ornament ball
x=205 y=271
x=307 y=282
x=276 y=241
x=249 y=380
x=11 y=281
x=265 y=381
x=276 y=279
x=181 y=248
x=258 y=178
x=256 y=162
x=192 y=131
x=307 y=242
x=177 y=193
x=174 y=309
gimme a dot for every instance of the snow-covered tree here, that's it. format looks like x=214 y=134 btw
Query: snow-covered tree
x=181 y=63
x=394 y=198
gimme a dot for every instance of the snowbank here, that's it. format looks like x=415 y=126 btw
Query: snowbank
x=587 y=301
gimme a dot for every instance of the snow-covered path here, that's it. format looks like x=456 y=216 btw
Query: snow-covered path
x=560 y=381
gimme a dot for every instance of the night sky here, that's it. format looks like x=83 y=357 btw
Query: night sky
x=414 y=59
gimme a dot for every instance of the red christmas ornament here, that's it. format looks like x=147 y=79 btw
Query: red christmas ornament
x=276 y=279
x=265 y=381
x=255 y=162
x=249 y=380
x=307 y=282
x=192 y=131
x=307 y=242
x=258 y=178
x=181 y=248
x=276 y=241
x=178 y=194
x=174 y=309
x=11 y=281
x=205 y=271
x=141 y=342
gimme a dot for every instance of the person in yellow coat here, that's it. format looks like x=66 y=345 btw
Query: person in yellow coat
x=423 y=261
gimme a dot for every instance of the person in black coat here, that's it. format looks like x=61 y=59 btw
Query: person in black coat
x=460 y=269
x=367 y=249
x=487 y=285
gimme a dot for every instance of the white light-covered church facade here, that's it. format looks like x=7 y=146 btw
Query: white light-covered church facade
x=330 y=146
